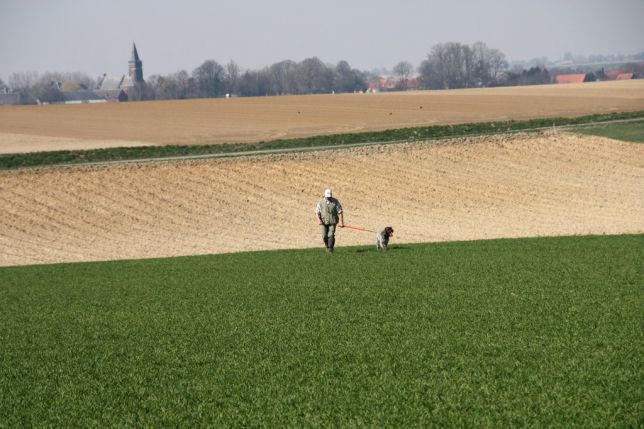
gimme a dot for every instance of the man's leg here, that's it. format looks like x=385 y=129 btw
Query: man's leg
x=331 y=237
x=325 y=238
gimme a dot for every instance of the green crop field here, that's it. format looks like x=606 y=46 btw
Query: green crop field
x=626 y=131
x=544 y=332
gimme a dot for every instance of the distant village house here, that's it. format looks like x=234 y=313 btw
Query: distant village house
x=591 y=77
x=130 y=87
x=626 y=76
x=393 y=83
x=575 y=78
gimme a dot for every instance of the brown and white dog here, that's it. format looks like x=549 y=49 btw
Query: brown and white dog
x=382 y=238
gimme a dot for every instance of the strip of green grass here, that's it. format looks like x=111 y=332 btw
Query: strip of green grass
x=21 y=160
x=627 y=131
x=504 y=333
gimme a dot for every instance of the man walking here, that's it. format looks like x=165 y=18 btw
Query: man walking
x=329 y=212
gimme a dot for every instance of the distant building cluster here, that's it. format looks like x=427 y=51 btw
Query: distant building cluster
x=395 y=83
x=130 y=87
x=592 y=77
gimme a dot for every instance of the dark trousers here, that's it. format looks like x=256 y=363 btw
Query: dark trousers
x=328 y=235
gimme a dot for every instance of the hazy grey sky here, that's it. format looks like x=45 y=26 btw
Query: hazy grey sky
x=96 y=36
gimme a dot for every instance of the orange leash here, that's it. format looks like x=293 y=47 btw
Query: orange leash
x=359 y=229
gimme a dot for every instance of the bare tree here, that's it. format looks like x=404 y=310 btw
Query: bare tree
x=498 y=63
x=231 y=77
x=456 y=56
x=47 y=89
x=153 y=84
x=313 y=77
x=454 y=65
x=22 y=81
x=175 y=86
x=282 y=77
x=347 y=79
x=403 y=70
x=343 y=80
x=248 y=84
x=255 y=83
x=209 y=78
x=481 y=58
x=186 y=86
x=468 y=66
x=434 y=70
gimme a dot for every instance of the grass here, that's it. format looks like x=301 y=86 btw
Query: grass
x=37 y=159
x=504 y=333
x=627 y=131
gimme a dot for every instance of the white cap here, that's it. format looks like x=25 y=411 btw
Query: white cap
x=328 y=193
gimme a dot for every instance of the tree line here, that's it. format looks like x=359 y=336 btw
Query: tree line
x=457 y=65
x=47 y=86
x=447 y=65
x=211 y=79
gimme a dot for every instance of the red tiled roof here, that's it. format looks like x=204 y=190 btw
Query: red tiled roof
x=624 y=76
x=570 y=78
x=612 y=75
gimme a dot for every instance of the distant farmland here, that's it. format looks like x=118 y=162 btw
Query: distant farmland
x=208 y=121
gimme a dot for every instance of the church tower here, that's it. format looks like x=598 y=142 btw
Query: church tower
x=136 y=66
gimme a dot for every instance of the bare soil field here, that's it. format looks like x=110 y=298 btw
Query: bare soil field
x=20 y=143
x=212 y=121
x=464 y=189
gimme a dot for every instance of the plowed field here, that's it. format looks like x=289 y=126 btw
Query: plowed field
x=269 y=118
x=475 y=188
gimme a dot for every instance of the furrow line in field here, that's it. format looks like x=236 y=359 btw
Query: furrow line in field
x=47 y=219
x=146 y=203
x=37 y=247
x=82 y=206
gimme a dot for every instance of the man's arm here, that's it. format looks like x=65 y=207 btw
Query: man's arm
x=340 y=213
x=317 y=214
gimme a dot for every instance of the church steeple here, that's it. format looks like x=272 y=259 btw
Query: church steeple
x=136 y=66
x=135 y=55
